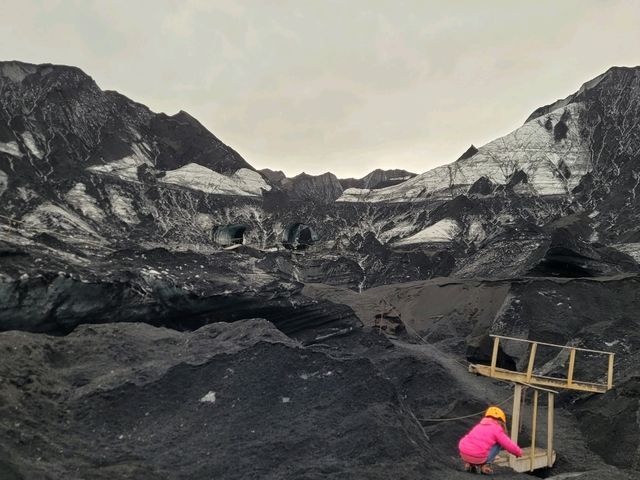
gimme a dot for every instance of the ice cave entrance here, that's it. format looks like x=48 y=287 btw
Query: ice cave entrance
x=227 y=235
x=299 y=236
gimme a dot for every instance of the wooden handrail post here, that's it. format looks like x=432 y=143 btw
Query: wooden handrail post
x=572 y=363
x=551 y=397
x=515 y=416
x=610 y=374
x=532 y=359
x=494 y=355
x=533 y=429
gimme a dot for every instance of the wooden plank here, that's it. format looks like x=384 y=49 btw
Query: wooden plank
x=536 y=380
x=550 y=406
x=532 y=359
x=572 y=364
x=523 y=464
x=515 y=417
x=550 y=344
x=610 y=373
x=494 y=355
x=534 y=420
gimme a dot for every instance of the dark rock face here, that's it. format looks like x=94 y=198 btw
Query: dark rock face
x=178 y=290
x=384 y=266
x=323 y=188
x=470 y=152
x=482 y=186
x=569 y=254
x=274 y=176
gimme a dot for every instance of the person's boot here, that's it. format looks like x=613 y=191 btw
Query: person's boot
x=486 y=469
x=469 y=468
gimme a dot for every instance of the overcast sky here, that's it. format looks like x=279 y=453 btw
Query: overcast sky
x=343 y=86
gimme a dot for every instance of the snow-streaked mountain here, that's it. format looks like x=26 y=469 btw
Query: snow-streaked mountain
x=549 y=150
x=56 y=123
x=82 y=166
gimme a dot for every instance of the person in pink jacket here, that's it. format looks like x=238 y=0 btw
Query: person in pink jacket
x=482 y=443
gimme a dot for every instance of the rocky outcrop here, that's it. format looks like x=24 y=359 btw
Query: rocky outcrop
x=570 y=254
x=274 y=176
x=378 y=179
x=482 y=186
x=469 y=152
x=183 y=291
x=323 y=188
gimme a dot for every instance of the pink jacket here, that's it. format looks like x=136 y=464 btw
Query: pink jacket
x=485 y=435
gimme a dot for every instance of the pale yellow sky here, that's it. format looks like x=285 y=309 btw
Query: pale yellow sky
x=335 y=86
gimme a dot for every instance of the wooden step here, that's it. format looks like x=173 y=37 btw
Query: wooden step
x=526 y=463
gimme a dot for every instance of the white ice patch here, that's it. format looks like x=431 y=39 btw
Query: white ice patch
x=30 y=143
x=476 y=232
x=286 y=400
x=251 y=181
x=4 y=182
x=122 y=207
x=243 y=182
x=55 y=218
x=209 y=398
x=355 y=195
x=631 y=249
x=26 y=194
x=205 y=221
x=443 y=231
x=126 y=167
x=400 y=230
x=78 y=198
x=531 y=148
x=11 y=148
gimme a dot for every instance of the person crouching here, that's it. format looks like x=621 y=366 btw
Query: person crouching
x=480 y=446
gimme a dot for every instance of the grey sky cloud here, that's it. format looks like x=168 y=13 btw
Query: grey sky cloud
x=326 y=85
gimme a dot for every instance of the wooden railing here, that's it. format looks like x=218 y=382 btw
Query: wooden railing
x=529 y=377
x=534 y=457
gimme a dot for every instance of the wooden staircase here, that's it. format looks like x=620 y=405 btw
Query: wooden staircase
x=534 y=457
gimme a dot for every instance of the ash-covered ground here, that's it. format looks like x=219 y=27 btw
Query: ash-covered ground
x=242 y=400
